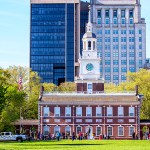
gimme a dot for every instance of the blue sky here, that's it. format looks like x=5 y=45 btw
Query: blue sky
x=15 y=28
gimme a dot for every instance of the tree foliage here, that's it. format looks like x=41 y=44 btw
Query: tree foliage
x=140 y=78
x=67 y=87
x=50 y=87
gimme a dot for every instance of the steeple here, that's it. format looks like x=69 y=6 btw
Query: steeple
x=89 y=24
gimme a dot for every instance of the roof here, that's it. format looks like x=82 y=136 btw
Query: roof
x=89 y=35
x=90 y=99
x=26 y=122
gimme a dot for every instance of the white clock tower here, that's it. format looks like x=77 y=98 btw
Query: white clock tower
x=89 y=61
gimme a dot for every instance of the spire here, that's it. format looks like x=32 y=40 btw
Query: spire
x=89 y=19
x=89 y=25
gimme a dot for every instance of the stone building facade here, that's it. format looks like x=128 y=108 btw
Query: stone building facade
x=121 y=37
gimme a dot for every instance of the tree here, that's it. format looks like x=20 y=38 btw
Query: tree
x=111 y=87
x=30 y=109
x=4 y=79
x=142 y=79
x=67 y=87
x=14 y=100
x=49 y=87
x=30 y=87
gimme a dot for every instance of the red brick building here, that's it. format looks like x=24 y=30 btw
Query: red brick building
x=116 y=115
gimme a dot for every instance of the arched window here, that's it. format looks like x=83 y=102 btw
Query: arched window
x=84 y=45
x=94 y=45
x=46 y=130
x=56 y=129
x=89 y=45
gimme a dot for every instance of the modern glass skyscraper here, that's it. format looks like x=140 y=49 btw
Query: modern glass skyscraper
x=121 y=37
x=55 y=39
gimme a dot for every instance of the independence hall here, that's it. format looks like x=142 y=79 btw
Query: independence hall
x=89 y=108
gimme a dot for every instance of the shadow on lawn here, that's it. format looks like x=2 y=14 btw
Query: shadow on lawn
x=72 y=144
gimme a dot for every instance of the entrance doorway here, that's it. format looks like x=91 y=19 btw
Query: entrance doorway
x=89 y=131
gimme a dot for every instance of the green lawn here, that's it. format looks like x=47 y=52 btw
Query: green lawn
x=77 y=145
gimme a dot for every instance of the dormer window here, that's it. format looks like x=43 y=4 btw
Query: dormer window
x=89 y=45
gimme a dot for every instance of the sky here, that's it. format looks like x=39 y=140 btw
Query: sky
x=15 y=31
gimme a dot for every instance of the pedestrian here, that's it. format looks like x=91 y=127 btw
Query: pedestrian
x=133 y=135
x=39 y=135
x=58 y=136
x=73 y=136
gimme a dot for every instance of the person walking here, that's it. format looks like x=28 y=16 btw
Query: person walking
x=73 y=136
x=58 y=135
x=133 y=135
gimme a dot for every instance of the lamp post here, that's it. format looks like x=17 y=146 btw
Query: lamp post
x=104 y=121
x=73 y=117
x=20 y=120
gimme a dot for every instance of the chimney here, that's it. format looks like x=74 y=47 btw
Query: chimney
x=137 y=90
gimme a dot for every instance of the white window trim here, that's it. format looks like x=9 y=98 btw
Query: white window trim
x=55 y=127
x=129 y=130
x=96 y=130
x=76 y=129
x=70 y=129
x=89 y=90
x=44 y=111
x=133 y=112
x=122 y=111
x=88 y=114
x=107 y=130
x=66 y=112
x=55 y=112
x=77 y=113
x=118 y=131
x=107 y=112
x=100 y=111
x=48 y=127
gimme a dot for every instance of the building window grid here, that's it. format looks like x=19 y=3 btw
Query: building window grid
x=109 y=111
x=79 y=111
x=67 y=111
x=120 y=111
x=131 y=130
x=88 y=111
x=57 y=111
x=98 y=131
x=98 y=111
x=68 y=130
x=56 y=130
x=46 y=130
x=120 y=131
x=110 y=131
x=131 y=111
x=46 y=111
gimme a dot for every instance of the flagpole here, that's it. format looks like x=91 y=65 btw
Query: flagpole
x=19 y=89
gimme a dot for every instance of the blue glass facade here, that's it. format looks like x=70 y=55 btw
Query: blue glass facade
x=83 y=21
x=52 y=42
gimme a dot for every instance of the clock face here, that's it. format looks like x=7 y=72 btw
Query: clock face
x=89 y=67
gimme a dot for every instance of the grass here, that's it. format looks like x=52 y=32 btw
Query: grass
x=77 y=145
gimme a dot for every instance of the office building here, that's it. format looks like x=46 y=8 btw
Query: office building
x=55 y=39
x=121 y=37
